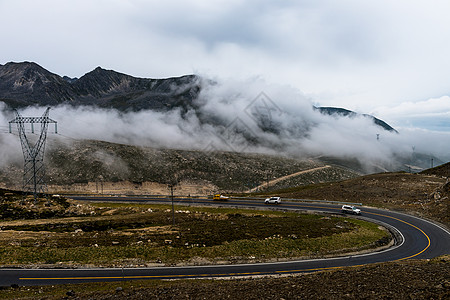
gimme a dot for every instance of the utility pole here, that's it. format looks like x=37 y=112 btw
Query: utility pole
x=171 y=187
x=172 y=181
x=34 y=171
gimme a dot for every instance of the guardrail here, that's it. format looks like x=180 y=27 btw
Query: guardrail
x=324 y=201
x=187 y=198
x=299 y=200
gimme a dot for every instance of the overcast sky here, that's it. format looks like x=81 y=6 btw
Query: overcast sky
x=388 y=58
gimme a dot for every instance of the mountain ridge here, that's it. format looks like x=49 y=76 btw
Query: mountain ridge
x=348 y=113
x=27 y=83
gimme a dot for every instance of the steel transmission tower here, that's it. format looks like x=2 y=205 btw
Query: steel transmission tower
x=34 y=171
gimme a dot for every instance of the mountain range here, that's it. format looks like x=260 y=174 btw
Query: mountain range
x=27 y=84
x=179 y=117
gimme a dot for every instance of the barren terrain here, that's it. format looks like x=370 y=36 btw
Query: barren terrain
x=421 y=194
x=101 y=167
x=426 y=195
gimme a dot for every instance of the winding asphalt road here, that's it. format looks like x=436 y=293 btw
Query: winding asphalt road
x=416 y=238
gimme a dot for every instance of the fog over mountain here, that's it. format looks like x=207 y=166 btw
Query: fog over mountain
x=192 y=112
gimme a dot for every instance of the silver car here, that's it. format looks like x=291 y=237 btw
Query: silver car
x=350 y=209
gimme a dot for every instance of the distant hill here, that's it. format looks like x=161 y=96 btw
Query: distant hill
x=348 y=113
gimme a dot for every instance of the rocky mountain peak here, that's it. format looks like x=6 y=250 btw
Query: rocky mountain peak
x=100 y=82
x=28 y=82
x=27 y=69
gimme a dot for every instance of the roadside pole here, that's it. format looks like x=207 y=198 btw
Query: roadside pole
x=171 y=186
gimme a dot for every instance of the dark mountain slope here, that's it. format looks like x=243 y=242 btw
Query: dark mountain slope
x=25 y=84
x=110 y=89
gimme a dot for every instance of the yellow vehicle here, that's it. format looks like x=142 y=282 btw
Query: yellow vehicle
x=218 y=197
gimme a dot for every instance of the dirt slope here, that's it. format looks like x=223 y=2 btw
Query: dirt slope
x=442 y=170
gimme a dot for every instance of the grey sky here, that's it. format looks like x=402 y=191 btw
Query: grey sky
x=388 y=58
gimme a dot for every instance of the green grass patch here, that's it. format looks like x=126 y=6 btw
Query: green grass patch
x=143 y=234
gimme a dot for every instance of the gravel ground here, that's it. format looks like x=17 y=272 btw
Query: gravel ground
x=397 y=280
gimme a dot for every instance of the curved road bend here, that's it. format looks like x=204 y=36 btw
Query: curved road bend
x=421 y=239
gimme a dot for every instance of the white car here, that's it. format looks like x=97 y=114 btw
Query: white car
x=273 y=200
x=351 y=209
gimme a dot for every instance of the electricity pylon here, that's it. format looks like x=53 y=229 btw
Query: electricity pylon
x=34 y=171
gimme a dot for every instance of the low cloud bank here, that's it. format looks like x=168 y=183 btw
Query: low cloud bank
x=249 y=116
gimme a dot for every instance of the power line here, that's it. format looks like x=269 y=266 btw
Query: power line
x=34 y=171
